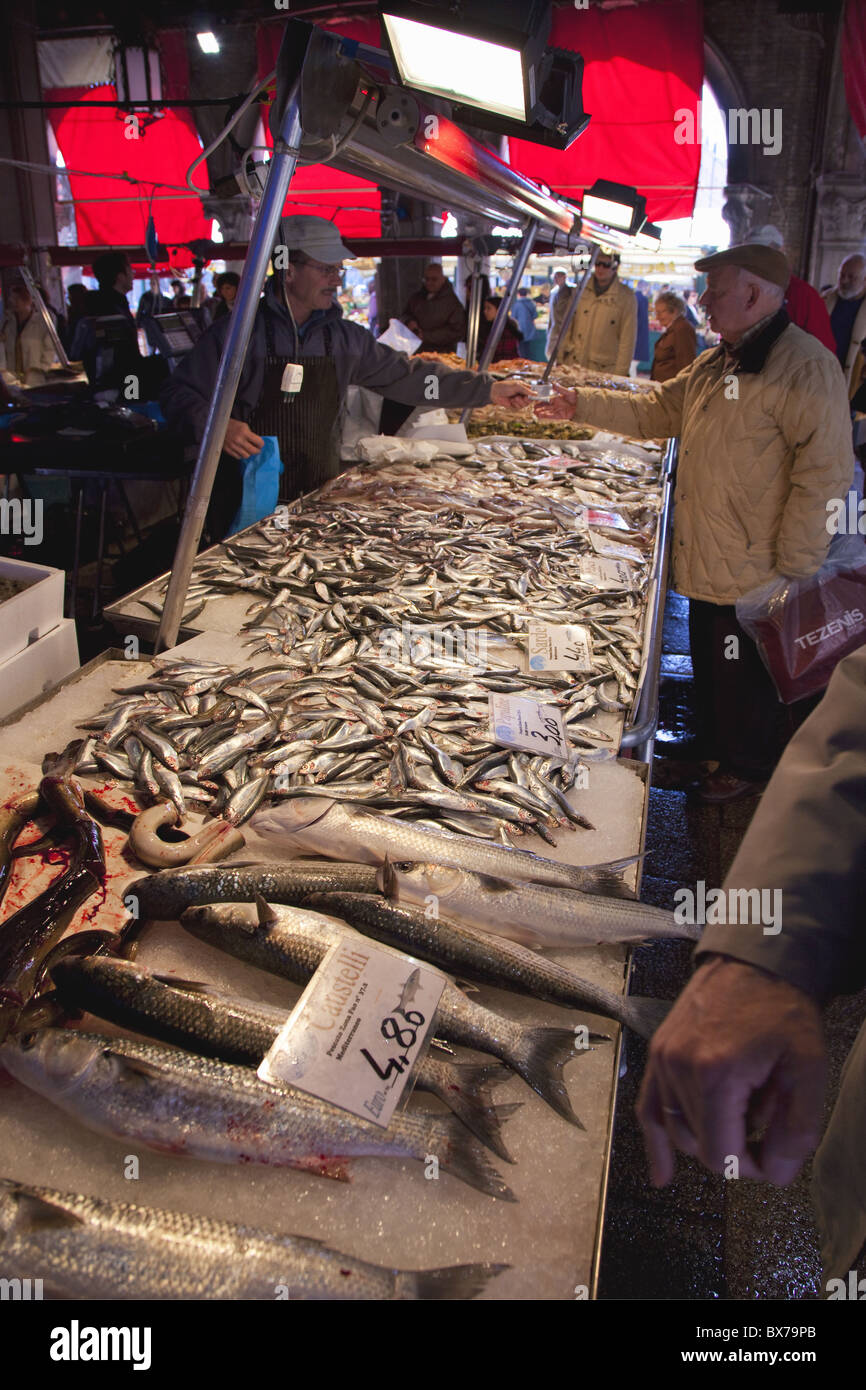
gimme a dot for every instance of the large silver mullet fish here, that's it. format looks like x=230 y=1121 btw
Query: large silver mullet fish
x=351 y=832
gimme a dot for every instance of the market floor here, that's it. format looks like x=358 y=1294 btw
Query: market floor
x=702 y=1237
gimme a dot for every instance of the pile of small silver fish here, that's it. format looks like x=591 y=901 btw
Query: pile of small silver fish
x=384 y=599
x=88 y=1248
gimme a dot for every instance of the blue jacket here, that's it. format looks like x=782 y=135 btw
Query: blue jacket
x=358 y=358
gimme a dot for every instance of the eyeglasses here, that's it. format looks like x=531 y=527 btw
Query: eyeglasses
x=604 y=265
x=323 y=269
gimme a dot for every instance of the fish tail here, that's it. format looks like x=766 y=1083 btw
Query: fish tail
x=463 y=1155
x=539 y=1058
x=607 y=878
x=644 y=1015
x=463 y=1089
x=452 y=1282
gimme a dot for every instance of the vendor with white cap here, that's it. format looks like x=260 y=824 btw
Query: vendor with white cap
x=300 y=322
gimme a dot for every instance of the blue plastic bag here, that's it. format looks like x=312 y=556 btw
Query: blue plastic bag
x=261 y=485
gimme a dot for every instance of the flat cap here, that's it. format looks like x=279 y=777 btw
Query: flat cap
x=764 y=261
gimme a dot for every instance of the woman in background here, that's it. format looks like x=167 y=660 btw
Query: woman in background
x=677 y=346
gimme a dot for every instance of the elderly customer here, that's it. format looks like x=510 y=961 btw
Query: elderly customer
x=846 y=305
x=677 y=347
x=603 y=332
x=764 y=445
x=745 y=1036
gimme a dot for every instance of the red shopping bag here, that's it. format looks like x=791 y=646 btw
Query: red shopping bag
x=804 y=627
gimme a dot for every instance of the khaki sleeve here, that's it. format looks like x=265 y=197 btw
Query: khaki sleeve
x=816 y=423
x=656 y=415
x=805 y=851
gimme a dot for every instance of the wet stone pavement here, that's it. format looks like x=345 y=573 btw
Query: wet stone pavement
x=703 y=1237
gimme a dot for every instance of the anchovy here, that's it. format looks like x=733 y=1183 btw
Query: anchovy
x=87 y=1248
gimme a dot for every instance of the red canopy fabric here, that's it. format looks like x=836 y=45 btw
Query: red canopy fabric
x=95 y=139
x=854 y=62
x=643 y=64
x=320 y=190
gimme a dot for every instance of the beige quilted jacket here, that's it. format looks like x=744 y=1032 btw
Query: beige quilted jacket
x=761 y=452
x=602 y=333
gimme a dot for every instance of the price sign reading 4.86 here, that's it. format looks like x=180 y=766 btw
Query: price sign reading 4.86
x=519 y=722
x=358 y=1029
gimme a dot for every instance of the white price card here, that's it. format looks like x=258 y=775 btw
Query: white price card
x=519 y=722
x=358 y=1028
x=559 y=647
x=612 y=520
x=605 y=574
x=614 y=549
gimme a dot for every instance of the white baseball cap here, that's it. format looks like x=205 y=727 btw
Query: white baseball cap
x=316 y=237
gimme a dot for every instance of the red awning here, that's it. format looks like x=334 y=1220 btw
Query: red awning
x=644 y=65
x=113 y=211
x=320 y=190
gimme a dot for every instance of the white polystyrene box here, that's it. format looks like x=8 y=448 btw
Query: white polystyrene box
x=30 y=614
x=38 y=667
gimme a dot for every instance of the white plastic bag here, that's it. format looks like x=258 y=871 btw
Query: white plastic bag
x=399 y=337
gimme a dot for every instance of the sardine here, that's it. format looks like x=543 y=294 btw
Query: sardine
x=179 y=1103
x=86 y=1248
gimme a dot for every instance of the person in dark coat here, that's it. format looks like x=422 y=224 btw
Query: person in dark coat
x=435 y=313
x=509 y=344
x=677 y=346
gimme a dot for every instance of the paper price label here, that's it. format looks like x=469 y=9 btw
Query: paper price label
x=605 y=574
x=614 y=549
x=559 y=647
x=358 y=1028
x=519 y=722
x=596 y=517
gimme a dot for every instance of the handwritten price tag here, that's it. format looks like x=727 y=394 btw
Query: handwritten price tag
x=605 y=574
x=613 y=549
x=519 y=722
x=559 y=647
x=358 y=1028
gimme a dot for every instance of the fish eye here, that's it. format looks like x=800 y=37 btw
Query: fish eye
x=27 y=1041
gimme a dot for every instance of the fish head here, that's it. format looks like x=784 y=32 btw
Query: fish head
x=414 y=883
x=221 y=923
x=296 y=814
x=87 y=981
x=52 y=1060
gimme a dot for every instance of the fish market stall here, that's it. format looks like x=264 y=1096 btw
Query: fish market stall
x=391 y=1214
x=346 y=727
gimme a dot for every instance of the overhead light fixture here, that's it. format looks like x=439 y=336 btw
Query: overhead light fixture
x=137 y=77
x=615 y=205
x=649 y=237
x=498 y=65
x=208 y=42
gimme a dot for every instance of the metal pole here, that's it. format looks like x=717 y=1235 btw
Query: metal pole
x=264 y=231
x=502 y=313
x=473 y=314
x=569 y=314
x=40 y=304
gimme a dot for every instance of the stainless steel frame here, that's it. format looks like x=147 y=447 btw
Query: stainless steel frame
x=36 y=296
x=639 y=733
